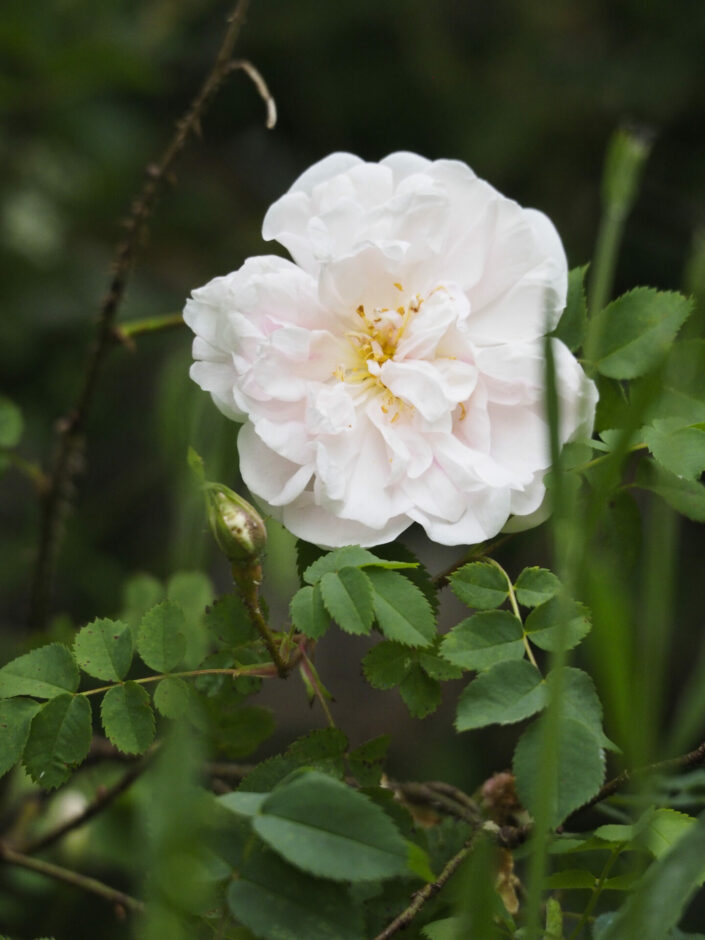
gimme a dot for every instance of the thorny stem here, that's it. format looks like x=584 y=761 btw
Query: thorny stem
x=65 y=875
x=260 y=670
x=248 y=577
x=442 y=797
x=517 y=614
x=683 y=762
x=67 y=458
x=427 y=892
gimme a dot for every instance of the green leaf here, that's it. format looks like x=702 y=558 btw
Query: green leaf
x=579 y=700
x=161 y=642
x=402 y=611
x=636 y=330
x=238 y=731
x=447 y=929
x=103 y=649
x=350 y=556
x=421 y=693
x=572 y=324
x=682 y=393
x=140 y=594
x=267 y=774
x=228 y=621
x=323 y=749
x=579 y=768
x=243 y=803
x=327 y=829
x=15 y=717
x=656 y=830
x=387 y=664
x=192 y=591
x=437 y=667
x=174 y=697
x=308 y=612
x=128 y=718
x=558 y=622
x=277 y=902
x=484 y=639
x=679 y=449
x=45 y=672
x=480 y=585
x=658 y=902
x=367 y=759
x=685 y=496
x=418 y=862
x=554 y=919
x=418 y=575
x=665 y=828
x=59 y=739
x=347 y=595
x=11 y=423
x=196 y=465
x=535 y=586
x=507 y=692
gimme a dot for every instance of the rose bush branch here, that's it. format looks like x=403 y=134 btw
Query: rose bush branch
x=106 y=796
x=117 y=898
x=694 y=758
x=427 y=892
x=70 y=429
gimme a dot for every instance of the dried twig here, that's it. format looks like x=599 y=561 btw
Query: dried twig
x=67 y=458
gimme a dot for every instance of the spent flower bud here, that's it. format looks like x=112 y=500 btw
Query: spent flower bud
x=237 y=527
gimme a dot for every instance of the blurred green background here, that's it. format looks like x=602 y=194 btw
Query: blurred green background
x=525 y=93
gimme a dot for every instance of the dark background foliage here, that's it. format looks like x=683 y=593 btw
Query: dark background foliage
x=525 y=93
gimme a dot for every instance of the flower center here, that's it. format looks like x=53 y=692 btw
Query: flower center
x=374 y=341
x=376 y=338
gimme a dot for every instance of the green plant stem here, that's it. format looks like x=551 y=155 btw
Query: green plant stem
x=313 y=677
x=564 y=524
x=595 y=896
x=427 y=892
x=65 y=875
x=247 y=577
x=126 y=332
x=693 y=758
x=596 y=461
x=260 y=670
x=31 y=470
x=517 y=613
x=609 y=238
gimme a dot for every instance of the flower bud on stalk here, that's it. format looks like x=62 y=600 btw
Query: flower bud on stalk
x=237 y=527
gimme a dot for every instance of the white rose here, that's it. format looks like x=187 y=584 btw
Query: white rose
x=393 y=373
